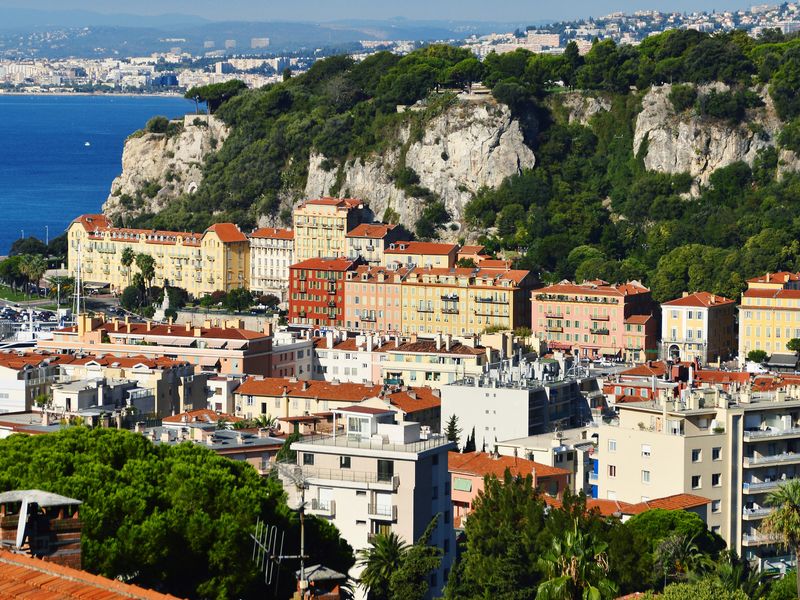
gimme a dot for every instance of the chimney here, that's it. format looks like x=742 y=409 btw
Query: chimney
x=149 y=325
x=439 y=340
x=165 y=437
x=329 y=339
x=198 y=332
x=447 y=341
x=127 y=320
x=188 y=326
x=305 y=385
x=116 y=324
x=127 y=326
x=45 y=418
x=139 y=427
x=685 y=295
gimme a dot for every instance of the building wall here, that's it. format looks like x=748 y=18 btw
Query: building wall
x=707 y=336
x=767 y=324
x=320 y=230
x=317 y=297
x=432 y=370
x=270 y=259
x=373 y=304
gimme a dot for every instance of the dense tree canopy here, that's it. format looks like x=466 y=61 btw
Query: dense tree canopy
x=175 y=518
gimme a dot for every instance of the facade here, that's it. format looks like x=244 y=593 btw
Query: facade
x=769 y=314
x=698 y=327
x=730 y=448
x=292 y=355
x=468 y=470
x=433 y=362
x=271 y=254
x=317 y=291
x=596 y=319
x=370 y=240
x=422 y=254
x=376 y=475
x=221 y=348
x=373 y=296
x=464 y=301
x=321 y=226
x=25 y=377
x=352 y=359
x=218 y=259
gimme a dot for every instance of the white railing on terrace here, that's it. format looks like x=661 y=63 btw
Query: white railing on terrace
x=756 y=512
x=346 y=441
x=772 y=458
x=767 y=433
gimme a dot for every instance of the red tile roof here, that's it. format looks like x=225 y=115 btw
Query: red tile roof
x=202 y=415
x=638 y=319
x=608 y=508
x=470 y=250
x=339 y=202
x=779 y=293
x=17 y=362
x=323 y=390
x=325 y=264
x=700 y=299
x=483 y=463
x=27 y=577
x=177 y=331
x=779 y=277
x=127 y=362
x=430 y=248
x=92 y=222
x=366 y=410
x=721 y=377
x=595 y=288
x=273 y=233
x=674 y=502
x=227 y=233
x=415 y=399
x=649 y=369
x=375 y=231
x=429 y=346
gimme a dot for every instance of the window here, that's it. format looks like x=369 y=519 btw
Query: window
x=435 y=494
x=612 y=445
x=645 y=476
x=696 y=482
x=344 y=462
x=308 y=459
x=716 y=479
x=385 y=470
x=716 y=454
x=697 y=455
x=715 y=529
x=612 y=470
x=716 y=506
x=435 y=459
x=646 y=450
x=461 y=484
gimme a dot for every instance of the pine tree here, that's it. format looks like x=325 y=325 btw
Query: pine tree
x=470 y=445
x=452 y=431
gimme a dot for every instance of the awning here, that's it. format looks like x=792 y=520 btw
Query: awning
x=782 y=360
x=209 y=361
x=215 y=343
x=237 y=344
x=182 y=342
x=609 y=350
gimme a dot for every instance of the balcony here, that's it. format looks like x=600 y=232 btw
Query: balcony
x=759 y=539
x=368 y=318
x=383 y=512
x=488 y=300
x=323 y=508
x=332 y=291
x=599 y=331
x=600 y=318
x=773 y=459
x=425 y=309
x=554 y=329
x=449 y=297
x=450 y=311
x=752 y=514
x=332 y=304
x=593 y=477
x=366 y=477
x=773 y=433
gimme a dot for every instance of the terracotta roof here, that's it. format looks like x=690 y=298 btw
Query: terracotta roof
x=470 y=250
x=273 y=233
x=176 y=331
x=431 y=248
x=704 y=376
x=483 y=463
x=160 y=362
x=700 y=299
x=323 y=390
x=607 y=508
x=227 y=232
x=429 y=346
x=202 y=415
x=15 y=361
x=596 y=288
x=770 y=383
x=674 y=502
x=482 y=277
x=366 y=410
x=27 y=577
x=415 y=399
x=340 y=202
x=648 y=369
x=372 y=272
x=494 y=263
x=779 y=293
x=92 y=222
x=371 y=231
x=779 y=277
x=638 y=319
x=326 y=264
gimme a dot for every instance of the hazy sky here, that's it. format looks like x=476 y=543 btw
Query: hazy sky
x=327 y=10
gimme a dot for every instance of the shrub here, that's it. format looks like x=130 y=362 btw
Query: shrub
x=682 y=97
x=157 y=124
x=757 y=356
x=790 y=136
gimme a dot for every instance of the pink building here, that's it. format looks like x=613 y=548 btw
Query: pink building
x=467 y=472
x=597 y=319
x=373 y=298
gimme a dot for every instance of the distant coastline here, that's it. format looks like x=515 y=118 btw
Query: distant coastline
x=121 y=94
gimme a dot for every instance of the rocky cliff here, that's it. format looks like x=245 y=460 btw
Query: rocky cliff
x=157 y=167
x=470 y=145
x=688 y=143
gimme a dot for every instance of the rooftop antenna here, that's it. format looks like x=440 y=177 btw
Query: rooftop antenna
x=268 y=540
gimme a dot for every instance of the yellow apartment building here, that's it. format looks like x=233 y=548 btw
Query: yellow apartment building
x=464 y=301
x=698 y=326
x=321 y=226
x=218 y=259
x=769 y=314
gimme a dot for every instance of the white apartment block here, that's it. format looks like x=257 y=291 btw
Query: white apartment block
x=732 y=449
x=378 y=476
x=271 y=254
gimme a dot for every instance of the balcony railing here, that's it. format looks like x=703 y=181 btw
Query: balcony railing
x=382 y=511
x=449 y=311
x=349 y=475
x=488 y=300
x=368 y=318
x=760 y=486
x=325 y=508
x=770 y=433
x=375 y=444
x=599 y=331
x=771 y=459
x=757 y=538
x=558 y=329
x=451 y=297
x=756 y=513
x=425 y=309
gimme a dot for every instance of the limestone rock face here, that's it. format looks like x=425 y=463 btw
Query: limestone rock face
x=469 y=146
x=581 y=108
x=168 y=166
x=688 y=143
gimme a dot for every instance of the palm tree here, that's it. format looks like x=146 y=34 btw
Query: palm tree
x=575 y=568
x=32 y=267
x=734 y=573
x=380 y=560
x=784 y=522
x=66 y=284
x=126 y=260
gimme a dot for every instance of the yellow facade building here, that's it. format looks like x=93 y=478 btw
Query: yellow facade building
x=465 y=301
x=422 y=254
x=769 y=315
x=698 y=326
x=218 y=259
x=321 y=226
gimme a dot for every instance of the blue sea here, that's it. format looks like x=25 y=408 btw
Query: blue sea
x=48 y=175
